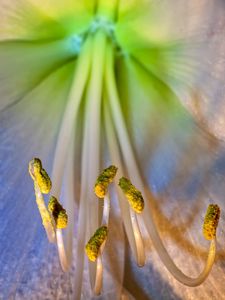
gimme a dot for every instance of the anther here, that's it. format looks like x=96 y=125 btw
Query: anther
x=39 y=175
x=93 y=246
x=211 y=221
x=133 y=195
x=103 y=181
x=58 y=212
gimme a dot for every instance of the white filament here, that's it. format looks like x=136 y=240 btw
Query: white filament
x=61 y=250
x=49 y=226
x=132 y=230
x=89 y=205
x=136 y=178
x=65 y=248
x=112 y=96
x=99 y=270
x=68 y=125
x=67 y=129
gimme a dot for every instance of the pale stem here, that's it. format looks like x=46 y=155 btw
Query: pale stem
x=47 y=220
x=82 y=218
x=106 y=209
x=138 y=238
x=115 y=157
x=69 y=201
x=68 y=125
x=89 y=206
x=99 y=275
x=94 y=97
x=136 y=178
x=99 y=269
x=61 y=250
x=113 y=100
x=65 y=249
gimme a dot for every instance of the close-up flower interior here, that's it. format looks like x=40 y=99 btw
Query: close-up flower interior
x=112 y=153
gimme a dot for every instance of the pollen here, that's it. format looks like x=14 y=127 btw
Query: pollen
x=133 y=195
x=211 y=221
x=40 y=176
x=93 y=246
x=103 y=181
x=58 y=212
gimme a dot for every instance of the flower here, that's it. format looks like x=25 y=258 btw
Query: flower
x=85 y=84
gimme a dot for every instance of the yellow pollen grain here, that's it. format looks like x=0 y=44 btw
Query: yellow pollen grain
x=93 y=246
x=40 y=176
x=103 y=181
x=211 y=221
x=58 y=212
x=133 y=195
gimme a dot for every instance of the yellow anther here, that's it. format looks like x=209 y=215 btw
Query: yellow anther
x=103 y=181
x=58 y=212
x=133 y=195
x=93 y=246
x=211 y=221
x=39 y=175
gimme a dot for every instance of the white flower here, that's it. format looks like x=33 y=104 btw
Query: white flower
x=136 y=84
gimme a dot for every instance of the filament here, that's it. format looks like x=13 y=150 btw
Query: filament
x=135 y=177
x=69 y=202
x=68 y=127
x=47 y=220
x=90 y=158
x=130 y=221
x=61 y=250
x=99 y=269
x=111 y=96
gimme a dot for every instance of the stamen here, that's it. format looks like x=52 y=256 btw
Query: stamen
x=61 y=219
x=136 y=206
x=103 y=181
x=129 y=216
x=55 y=218
x=89 y=207
x=133 y=195
x=101 y=187
x=42 y=183
x=92 y=248
x=99 y=269
x=58 y=212
x=211 y=221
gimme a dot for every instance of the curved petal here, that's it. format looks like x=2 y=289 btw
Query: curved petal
x=32 y=20
x=26 y=131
